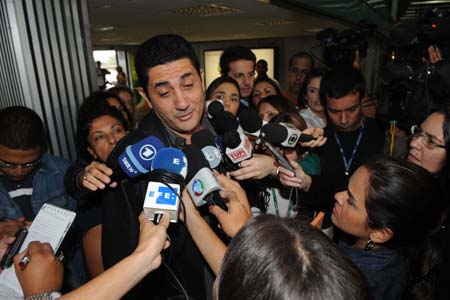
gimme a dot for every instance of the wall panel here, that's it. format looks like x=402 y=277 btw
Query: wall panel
x=46 y=52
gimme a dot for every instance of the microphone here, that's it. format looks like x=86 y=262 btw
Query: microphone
x=224 y=122
x=166 y=181
x=214 y=107
x=205 y=140
x=137 y=159
x=285 y=134
x=237 y=146
x=278 y=156
x=250 y=121
x=202 y=185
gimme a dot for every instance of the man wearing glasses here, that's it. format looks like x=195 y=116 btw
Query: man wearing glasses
x=299 y=65
x=28 y=177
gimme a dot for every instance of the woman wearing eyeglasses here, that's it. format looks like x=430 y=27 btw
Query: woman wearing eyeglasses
x=429 y=148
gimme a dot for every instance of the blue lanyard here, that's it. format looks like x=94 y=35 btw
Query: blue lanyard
x=348 y=163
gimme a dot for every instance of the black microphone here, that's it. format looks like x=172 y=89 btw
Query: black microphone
x=224 y=122
x=250 y=121
x=202 y=185
x=206 y=141
x=285 y=134
x=214 y=107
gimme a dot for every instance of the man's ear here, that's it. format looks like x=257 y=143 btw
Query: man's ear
x=92 y=152
x=144 y=96
x=202 y=76
x=380 y=236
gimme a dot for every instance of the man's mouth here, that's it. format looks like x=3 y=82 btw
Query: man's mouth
x=185 y=117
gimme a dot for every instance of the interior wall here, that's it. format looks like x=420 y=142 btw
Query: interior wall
x=47 y=52
x=284 y=49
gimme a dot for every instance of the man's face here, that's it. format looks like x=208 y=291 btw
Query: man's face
x=177 y=95
x=243 y=71
x=297 y=73
x=345 y=112
x=16 y=164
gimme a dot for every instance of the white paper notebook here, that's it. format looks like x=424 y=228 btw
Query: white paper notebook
x=50 y=226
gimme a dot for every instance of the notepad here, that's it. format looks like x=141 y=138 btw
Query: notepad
x=50 y=226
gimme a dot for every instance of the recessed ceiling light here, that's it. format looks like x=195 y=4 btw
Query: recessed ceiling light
x=276 y=23
x=206 y=10
x=313 y=30
x=110 y=39
x=104 y=28
x=430 y=2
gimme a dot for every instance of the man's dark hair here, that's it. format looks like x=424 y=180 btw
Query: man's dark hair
x=233 y=54
x=302 y=54
x=340 y=82
x=262 y=62
x=21 y=128
x=159 y=50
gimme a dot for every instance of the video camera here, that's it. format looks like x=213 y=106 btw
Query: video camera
x=339 y=47
x=407 y=83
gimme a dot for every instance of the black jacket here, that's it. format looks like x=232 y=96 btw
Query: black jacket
x=120 y=234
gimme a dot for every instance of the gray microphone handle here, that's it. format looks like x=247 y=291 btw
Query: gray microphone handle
x=278 y=156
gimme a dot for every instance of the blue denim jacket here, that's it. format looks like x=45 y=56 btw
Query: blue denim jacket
x=48 y=187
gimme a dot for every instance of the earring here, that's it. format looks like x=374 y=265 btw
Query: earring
x=370 y=245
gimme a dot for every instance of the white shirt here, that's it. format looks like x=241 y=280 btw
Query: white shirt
x=311 y=119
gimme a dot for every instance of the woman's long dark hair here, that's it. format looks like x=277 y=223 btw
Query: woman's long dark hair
x=404 y=198
x=273 y=258
x=318 y=72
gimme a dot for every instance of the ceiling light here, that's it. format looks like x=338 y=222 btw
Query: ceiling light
x=430 y=2
x=105 y=28
x=276 y=23
x=206 y=10
x=313 y=30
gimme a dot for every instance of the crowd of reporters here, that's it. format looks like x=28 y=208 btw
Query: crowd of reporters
x=233 y=185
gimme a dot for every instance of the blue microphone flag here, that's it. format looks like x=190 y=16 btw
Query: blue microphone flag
x=137 y=159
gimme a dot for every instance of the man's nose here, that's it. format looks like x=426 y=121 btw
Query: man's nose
x=180 y=101
x=343 y=118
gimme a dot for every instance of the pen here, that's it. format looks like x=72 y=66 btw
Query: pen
x=24 y=261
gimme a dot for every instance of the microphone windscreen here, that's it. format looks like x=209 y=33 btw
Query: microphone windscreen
x=171 y=160
x=137 y=159
x=196 y=160
x=231 y=139
x=203 y=138
x=225 y=121
x=250 y=120
x=274 y=133
x=214 y=107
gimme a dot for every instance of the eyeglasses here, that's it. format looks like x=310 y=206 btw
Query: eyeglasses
x=6 y=165
x=427 y=140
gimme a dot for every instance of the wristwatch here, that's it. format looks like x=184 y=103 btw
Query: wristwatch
x=49 y=295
